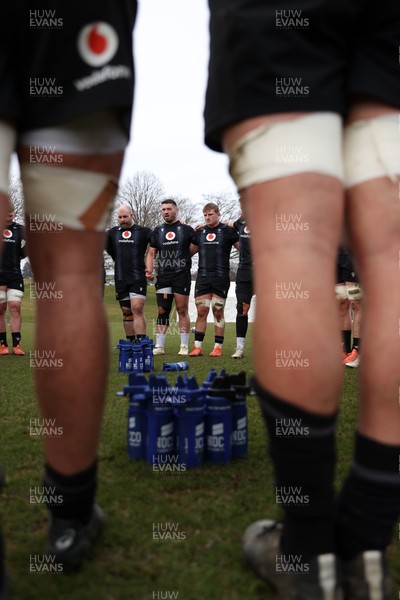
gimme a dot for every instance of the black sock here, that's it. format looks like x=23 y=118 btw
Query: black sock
x=131 y=338
x=16 y=338
x=199 y=336
x=356 y=344
x=3 y=338
x=242 y=322
x=346 y=337
x=302 y=447
x=73 y=494
x=219 y=339
x=140 y=336
x=369 y=503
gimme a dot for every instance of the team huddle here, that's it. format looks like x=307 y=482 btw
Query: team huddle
x=137 y=250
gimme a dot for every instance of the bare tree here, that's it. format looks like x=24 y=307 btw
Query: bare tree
x=16 y=194
x=143 y=192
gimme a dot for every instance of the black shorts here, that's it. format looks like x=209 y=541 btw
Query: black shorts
x=59 y=62
x=244 y=291
x=344 y=275
x=282 y=57
x=219 y=286
x=179 y=282
x=12 y=281
x=122 y=289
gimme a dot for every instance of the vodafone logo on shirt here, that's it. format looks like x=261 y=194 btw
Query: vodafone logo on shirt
x=7 y=233
x=126 y=235
x=210 y=237
x=170 y=235
x=246 y=229
x=97 y=43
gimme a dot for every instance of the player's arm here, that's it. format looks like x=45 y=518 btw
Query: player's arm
x=193 y=248
x=237 y=246
x=151 y=254
x=109 y=248
x=229 y=224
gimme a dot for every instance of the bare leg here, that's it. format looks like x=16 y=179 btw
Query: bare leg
x=15 y=316
x=374 y=223
x=139 y=319
x=75 y=330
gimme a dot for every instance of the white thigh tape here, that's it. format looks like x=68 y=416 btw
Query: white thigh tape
x=14 y=295
x=354 y=291
x=310 y=144
x=372 y=149
x=3 y=296
x=75 y=198
x=7 y=146
x=341 y=292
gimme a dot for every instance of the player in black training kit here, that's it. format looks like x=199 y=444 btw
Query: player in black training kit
x=214 y=242
x=244 y=286
x=173 y=242
x=127 y=244
x=11 y=283
x=348 y=295
x=66 y=93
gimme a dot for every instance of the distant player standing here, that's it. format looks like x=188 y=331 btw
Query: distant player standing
x=11 y=283
x=172 y=242
x=348 y=294
x=244 y=286
x=127 y=244
x=214 y=241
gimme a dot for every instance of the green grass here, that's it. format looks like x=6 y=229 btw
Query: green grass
x=210 y=505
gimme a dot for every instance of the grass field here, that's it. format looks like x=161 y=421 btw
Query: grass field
x=209 y=506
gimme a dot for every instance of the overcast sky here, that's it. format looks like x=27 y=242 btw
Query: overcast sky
x=171 y=50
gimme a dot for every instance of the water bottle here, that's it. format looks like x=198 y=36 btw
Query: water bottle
x=137 y=426
x=148 y=358
x=175 y=366
x=125 y=356
x=239 y=414
x=212 y=373
x=139 y=396
x=137 y=358
x=160 y=423
x=218 y=425
x=190 y=424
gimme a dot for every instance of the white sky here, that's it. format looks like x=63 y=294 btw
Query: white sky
x=171 y=55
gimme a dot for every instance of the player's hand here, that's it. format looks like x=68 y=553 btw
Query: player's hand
x=149 y=275
x=198 y=226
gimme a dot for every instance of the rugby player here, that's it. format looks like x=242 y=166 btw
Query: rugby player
x=244 y=286
x=11 y=283
x=172 y=244
x=305 y=100
x=214 y=243
x=348 y=294
x=65 y=104
x=127 y=245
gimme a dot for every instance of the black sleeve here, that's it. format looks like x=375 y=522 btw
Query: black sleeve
x=190 y=233
x=153 y=239
x=109 y=244
x=149 y=234
x=234 y=236
x=196 y=237
x=235 y=225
